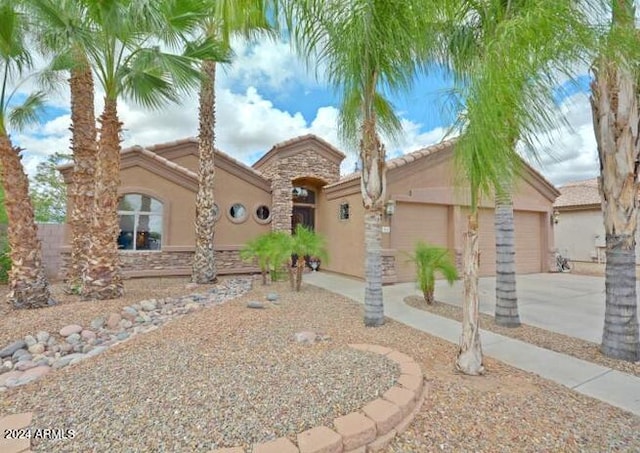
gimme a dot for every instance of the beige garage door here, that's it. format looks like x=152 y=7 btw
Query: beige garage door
x=413 y=222
x=528 y=242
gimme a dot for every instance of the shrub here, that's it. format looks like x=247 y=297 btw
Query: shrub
x=271 y=251
x=5 y=260
x=430 y=259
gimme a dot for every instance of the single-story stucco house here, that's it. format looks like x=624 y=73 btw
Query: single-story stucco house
x=298 y=181
x=579 y=225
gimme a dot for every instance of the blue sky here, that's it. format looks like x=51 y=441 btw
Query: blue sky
x=267 y=96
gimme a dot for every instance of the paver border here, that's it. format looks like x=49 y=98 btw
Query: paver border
x=405 y=398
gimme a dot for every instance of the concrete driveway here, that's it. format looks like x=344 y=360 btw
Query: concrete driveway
x=565 y=303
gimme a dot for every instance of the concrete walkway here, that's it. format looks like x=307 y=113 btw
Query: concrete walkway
x=611 y=386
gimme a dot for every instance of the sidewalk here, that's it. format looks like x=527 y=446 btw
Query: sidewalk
x=611 y=386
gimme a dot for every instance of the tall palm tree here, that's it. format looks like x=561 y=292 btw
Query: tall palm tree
x=368 y=48
x=127 y=60
x=614 y=102
x=64 y=33
x=28 y=286
x=226 y=17
x=509 y=87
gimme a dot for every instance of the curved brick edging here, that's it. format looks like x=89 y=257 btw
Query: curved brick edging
x=371 y=428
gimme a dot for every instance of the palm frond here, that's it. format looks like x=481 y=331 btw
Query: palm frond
x=28 y=112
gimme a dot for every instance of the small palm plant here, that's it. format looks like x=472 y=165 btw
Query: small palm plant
x=270 y=250
x=305 y=243
x=430 y=259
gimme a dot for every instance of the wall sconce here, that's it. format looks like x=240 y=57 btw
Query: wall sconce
x=555 y=217
x=390 y=208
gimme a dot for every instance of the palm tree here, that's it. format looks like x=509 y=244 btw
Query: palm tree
x=226 y=17
x=63 y=33
x=368 y=47
x=305 y=244
x=430 y=260
x=28 y=286
x=507 y=93
x=271 y=250
x=614 y=102
x=127 y=60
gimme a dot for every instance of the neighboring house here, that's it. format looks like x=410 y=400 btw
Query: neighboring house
x=579 y=227
x=298 y=181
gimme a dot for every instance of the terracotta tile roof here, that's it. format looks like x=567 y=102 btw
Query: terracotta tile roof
x=162 y=160
x=302 y=138
x=194 y=140
x=402 y=160
x=578 y=193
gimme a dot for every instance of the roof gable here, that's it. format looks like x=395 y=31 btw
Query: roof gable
x=298 y=145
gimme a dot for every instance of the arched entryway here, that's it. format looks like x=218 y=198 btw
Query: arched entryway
x=304 y=196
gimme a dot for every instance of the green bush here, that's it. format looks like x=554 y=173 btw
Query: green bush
x=430 y=259
x=5 y=260
x=272 y=251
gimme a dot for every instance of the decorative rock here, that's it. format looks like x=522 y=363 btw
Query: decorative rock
x=23 y=366
x=37 y=348
x=125 y=324
x=86 y=348
x=192 y=306
x=7 y=379
x=123 y=336
x=8 y=364
x=129 y=313
x=87 y=335
x=113 y=321
x=13 y=347
x=73 y=338
x=25 y=357
x=43 y=336
x=70 y=330
x=30 y=340
x=191 y=286
x=65 y=347
x=51 y=341
x=98 y=323
x=305 y=337
x=32 y=374
x=255 y=304
x=149 y=305
x=97 y=350
x=271 y=297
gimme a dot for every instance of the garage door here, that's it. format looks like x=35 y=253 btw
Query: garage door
x=413 y=222
x=528 y=242
x=487 y=242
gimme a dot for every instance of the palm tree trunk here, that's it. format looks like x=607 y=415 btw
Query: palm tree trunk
x=84 y=146
x=204 y=262
x=373 y=188
x=469 y=359
x=614 y=104
x=102 y=279
x=506 y=295
x=28 y=285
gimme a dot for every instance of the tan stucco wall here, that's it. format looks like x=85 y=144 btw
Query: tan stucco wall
x=189 y=161
x=345 y=237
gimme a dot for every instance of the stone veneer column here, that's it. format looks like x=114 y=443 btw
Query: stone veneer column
x=282 y=204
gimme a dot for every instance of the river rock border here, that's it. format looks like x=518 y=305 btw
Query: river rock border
x=372 y=428
x=29 y=358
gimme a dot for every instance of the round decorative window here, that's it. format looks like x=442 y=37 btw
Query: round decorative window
x=262 y=213
x=237 y=213
x=216 y=212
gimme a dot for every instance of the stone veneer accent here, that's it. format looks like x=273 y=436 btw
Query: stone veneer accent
x=283 y=170
x=155 y=263
x=389 y=274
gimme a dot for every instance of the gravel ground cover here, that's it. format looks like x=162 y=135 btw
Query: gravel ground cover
x=199 y=381
x=547 y=339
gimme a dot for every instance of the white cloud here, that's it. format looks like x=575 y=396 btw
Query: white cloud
x=570 y=152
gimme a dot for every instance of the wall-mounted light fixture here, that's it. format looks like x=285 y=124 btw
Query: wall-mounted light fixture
x=299 y=192
x=555 y=217
x=390 y=208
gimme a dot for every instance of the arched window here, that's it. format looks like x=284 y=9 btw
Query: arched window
x=140 y=219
